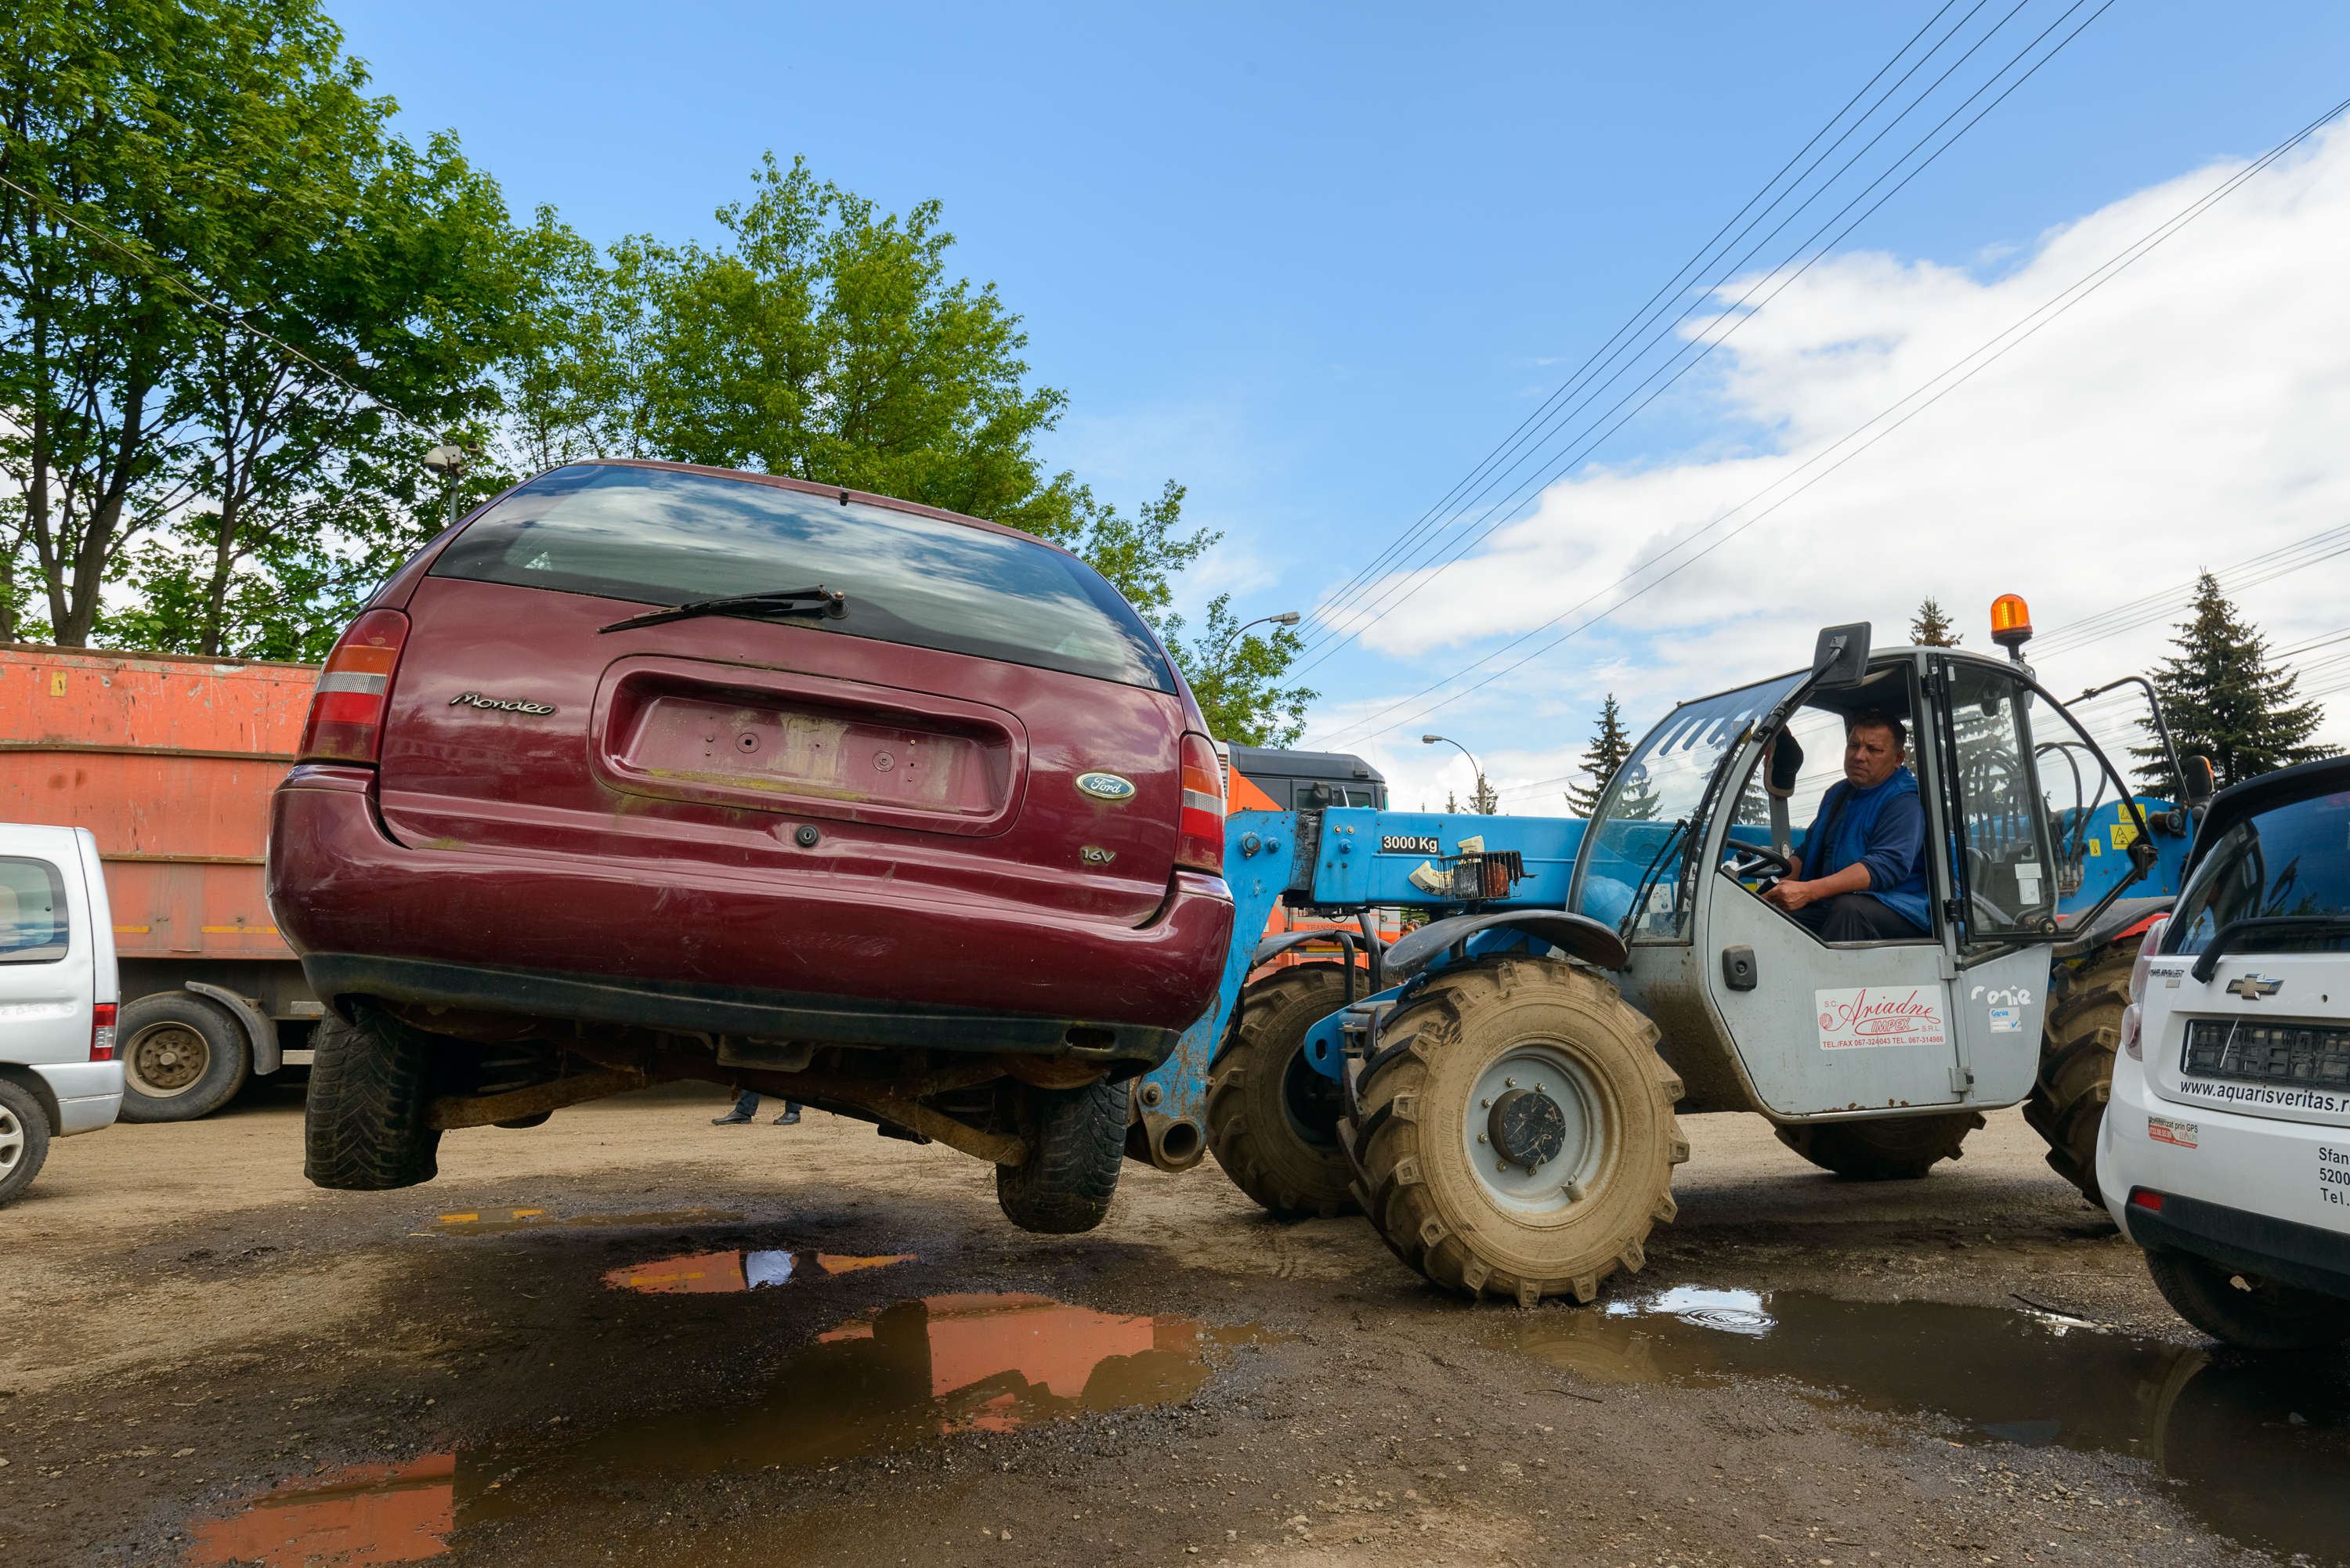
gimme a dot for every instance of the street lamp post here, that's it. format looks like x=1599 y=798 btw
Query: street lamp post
x=1483 y=792
x=449 y=462
x=1286 y=618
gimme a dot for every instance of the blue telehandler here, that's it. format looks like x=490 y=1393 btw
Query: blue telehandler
x=1497 y=1091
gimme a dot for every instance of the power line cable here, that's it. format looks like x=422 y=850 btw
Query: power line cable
x=1987 y=354
x=1499 y=513
x=1639 y=316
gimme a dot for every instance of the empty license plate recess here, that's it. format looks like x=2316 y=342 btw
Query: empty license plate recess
x=774 y=740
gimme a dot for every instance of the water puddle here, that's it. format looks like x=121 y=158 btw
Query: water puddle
x=488 y=1221
x=2258 y=1445
x=909 y=1374
x=367 y=1513
x=698 y=1273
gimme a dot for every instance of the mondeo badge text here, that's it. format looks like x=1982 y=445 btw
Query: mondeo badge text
x=500 y=704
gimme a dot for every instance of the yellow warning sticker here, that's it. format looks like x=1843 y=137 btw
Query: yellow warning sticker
x=2123 y=833
x=2093 y=850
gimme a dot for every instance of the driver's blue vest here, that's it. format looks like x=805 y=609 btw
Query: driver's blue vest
x=1896 y=854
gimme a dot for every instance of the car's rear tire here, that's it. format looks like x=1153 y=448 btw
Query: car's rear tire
x=1889 y=1148
x=2077 y=1065
x=366 y=1127
x=2257 y=1314
x=24 y=1140
x=1076 y=1139
x=1598 y=1175
x=182 y=1057
x=1273 y=1120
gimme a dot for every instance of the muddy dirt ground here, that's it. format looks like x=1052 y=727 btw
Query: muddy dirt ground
x=699 y=1345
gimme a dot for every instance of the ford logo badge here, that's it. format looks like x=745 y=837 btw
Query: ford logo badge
x=1106 y=787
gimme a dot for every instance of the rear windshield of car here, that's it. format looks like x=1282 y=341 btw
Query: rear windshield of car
x=32 y=911
x=654 y=538
x=2290 y=865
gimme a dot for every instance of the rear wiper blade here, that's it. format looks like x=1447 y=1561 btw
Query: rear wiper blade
x=819 y=600
x=2261 y=925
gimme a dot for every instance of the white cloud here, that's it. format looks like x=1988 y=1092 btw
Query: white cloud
x=2188 y=414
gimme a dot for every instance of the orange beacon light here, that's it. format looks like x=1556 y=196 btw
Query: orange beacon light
x=2011 y=622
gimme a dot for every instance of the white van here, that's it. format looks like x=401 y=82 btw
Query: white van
x=57 y=997
x=2225 y=1150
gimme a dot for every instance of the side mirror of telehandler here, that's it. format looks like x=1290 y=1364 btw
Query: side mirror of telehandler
x=1841 y=659
x=2199 y=781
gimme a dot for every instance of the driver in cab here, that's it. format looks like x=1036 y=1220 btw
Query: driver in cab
x=1866 y=854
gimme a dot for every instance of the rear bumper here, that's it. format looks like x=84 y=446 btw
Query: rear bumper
x=2250 y=1244
x=690 y=946
x=88 y=1094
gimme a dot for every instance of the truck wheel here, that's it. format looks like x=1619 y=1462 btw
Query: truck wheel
x=24 y=1140
x=2256 y=1313
x=1890 y=1148
x=2077 y=1065
x=1515 y=1133
x=1273 y=1120
x=1077 y=1138
x=365 y=1127
x=182 y=1057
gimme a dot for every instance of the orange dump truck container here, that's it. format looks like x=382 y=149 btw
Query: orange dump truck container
x=168 y=760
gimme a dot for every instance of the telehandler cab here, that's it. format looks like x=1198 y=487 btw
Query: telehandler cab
x=1502 y=1105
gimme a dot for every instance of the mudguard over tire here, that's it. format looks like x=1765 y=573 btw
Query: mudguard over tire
x=2076 y=1063
x=1077 y=1138
x=1514 y=1132
x=1273 y=1121
x=366 y=1127
x=1885 y=1149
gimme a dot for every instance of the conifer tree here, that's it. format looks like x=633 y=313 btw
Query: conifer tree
x=1931 y=628
x=2224 y=701
x=1608 y=749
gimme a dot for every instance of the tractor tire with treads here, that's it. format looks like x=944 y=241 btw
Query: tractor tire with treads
x=1515 y=1133
x=2076 y=1063
x=367 y=1125
x=1888 y=1149
x=1273 y=1120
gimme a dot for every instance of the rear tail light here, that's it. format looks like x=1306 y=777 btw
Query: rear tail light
x=346 y=722
x=1200 y=835
x=2142 y=1199
x=2133 y=1031
x=101 y=1033
x=2148 y=946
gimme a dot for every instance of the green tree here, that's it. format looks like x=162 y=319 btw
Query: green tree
x=1611 y=745
x=1931 y=627
x=2223 y=699
x=1235 y=678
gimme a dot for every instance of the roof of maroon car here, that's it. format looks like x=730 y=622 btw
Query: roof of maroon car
x=808 y=487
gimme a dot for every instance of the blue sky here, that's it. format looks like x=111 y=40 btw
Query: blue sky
x=1315 y=261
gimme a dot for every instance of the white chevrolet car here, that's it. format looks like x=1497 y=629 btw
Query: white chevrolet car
x=58 y=992
x=2225 y=1150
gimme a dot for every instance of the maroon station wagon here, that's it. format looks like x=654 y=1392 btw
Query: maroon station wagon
x=649 y=772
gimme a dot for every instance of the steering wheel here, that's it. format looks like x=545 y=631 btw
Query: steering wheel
x=1749 y=862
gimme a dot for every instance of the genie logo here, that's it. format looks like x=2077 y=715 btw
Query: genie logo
x=1861 y=1017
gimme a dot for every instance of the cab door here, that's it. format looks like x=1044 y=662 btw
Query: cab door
x=2003 y=909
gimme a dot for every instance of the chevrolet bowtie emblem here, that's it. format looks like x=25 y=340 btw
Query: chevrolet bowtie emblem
x=2251 y=987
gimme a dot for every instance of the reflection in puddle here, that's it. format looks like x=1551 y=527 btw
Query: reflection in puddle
x=367 y=1513
x=2259 y=1444
x=487 y=1220
x=716 y=1272
x=907 y=1375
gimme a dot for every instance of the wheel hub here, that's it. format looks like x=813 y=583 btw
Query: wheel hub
x=166 y=1060
x=1527 y=1128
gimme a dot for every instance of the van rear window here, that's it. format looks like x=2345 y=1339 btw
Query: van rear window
x=33 y=927
x=656 y=537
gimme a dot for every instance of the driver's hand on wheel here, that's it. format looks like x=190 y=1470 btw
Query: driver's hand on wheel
x=1791 y=895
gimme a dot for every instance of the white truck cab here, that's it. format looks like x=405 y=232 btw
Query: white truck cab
x=2225 y=1150
x=58 y=992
